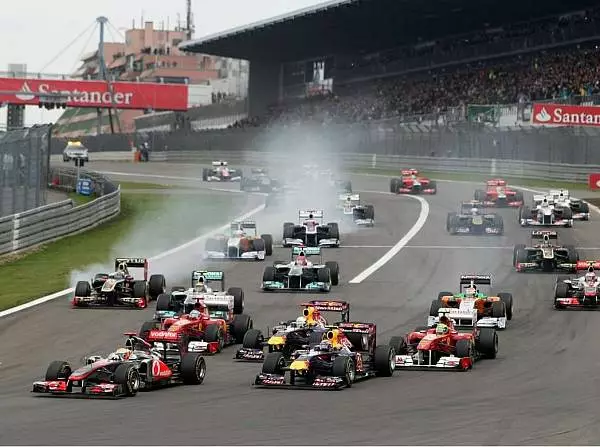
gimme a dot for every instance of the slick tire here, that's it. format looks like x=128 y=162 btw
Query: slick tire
x=487 y=342
x=128 y=376
x=334 y=270
x=58 y=370
x=274 y=363
x=193 y=369
x=238 y=299
x=384 y=360
x=157 y=284
x=343 y=366
x=253 y=339
x=240 y=326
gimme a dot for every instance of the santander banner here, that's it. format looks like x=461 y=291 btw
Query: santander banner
x=97 y=94
x=565 y=115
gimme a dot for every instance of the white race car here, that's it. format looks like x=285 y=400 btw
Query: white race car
x=310 y=231
x=363 y=215
x=562 y=199
x=545 y=214
x=221 y=172
x=242 y=242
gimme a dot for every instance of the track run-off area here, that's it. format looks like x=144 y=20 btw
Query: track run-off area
x=541 y=389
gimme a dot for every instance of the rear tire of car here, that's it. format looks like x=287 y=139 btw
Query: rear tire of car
x=274 y=363
x=507 y=299
x=384 y=360
x=433 y=185
x=516 y=249
x=253 y=339
x=394 y=184
x=442 y=295
x=324 y=275
x=128 y=376
x=464 y=349
x=498 y=309
x=214 y=334
x=435 y=307
x=288 y=230
x=499 y=224
x=487 y=342
x=157 y=284
x=204 y=174
x=561 y=290
x=522 y=256
x=399 y=345
x=163 y=302
x=343 y=366
x=193 y=369
x=369 y=212
x=238 y=299
x=334 y=230
x=58 y=370
x=268 y=244
x=334 y=270
x=240 y=326
x=479 y=195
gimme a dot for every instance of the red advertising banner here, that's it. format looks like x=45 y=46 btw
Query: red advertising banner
x=594 y=180
x=565 y=115
x=96 y=94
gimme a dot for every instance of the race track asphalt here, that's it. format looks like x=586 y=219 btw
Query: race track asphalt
x=541 y=389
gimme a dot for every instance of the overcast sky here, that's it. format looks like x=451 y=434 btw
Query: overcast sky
x=35 y=32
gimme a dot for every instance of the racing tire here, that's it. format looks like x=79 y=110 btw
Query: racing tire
x=343 y=366
x=567 y=213
x=148 y=326
x=128 y=376
x=163 y=302
x=394 y=184
x=518 y=196
x=433 y=185
x=442 y=295
x=253 y=339
x=487 y=342
x=83 y=288
x=139 y=289
x=584 y=208
x=369 y=212
x=288 y=230
x=435 y=307
x=399 y=345
x=269 y=274
x=157 y=284
x=257 y=245
x=193 y=369
x=384 y=360
x=274 y=363
x=479 y=195
x=499 y=224
x=58 y=370
x=561 y=290
x=268 y=243
x=498 y=309
x=324 y=275
x=524 y=213
x=518 y=247
x=450 y=220
x=334 y=270
x=238 y=299
x=522 y=256
x=507 y=299
x=334 y=230
x=240 y=326
x=464 y=348
x=572 y=254
x=214 y=333
x=204 y=174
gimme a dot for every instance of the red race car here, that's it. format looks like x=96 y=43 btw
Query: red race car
x=412 y=183
x=498 y=194
x=443 y=347
x=210 y=327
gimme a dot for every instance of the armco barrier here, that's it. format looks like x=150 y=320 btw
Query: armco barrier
x=47 y=223
x=350 y=161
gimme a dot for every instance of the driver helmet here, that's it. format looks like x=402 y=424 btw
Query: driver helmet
x=474 y=210
x=195 y=314
x=441 y=329
x=300 y=322
x=239 y=233
x=333 y=337
x=590 y=277
x=310 y=216
x=301 y=259
x=470 y=292
x=545 y=201
x=121 y=354
x=311 y=314
x=122 y=268
x=200 y=286
x=445 y=320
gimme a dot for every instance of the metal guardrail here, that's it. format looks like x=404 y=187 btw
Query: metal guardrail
x=508 y=168
x=48 y=223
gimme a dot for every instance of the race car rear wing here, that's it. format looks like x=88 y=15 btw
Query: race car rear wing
x=409 y=172
x=209 y=276
x=134 y=263
x=342 y=307
x=218 y=301
x=351 y=197
x=219 y=163
x=539 y=234
x=476 y=279
x=259 y=170
x=308 y=251
x=558 y=192
x=305 y=214
x=243 y=224
x=496 y=182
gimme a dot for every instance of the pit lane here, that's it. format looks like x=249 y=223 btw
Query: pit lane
x=541 y=388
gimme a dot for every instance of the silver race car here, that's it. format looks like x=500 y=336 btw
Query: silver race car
x=545 y=214
x=242 y=242
x=362 y=215
x=310 y=231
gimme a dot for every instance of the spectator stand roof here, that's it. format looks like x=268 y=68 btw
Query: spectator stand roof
x=353 y=26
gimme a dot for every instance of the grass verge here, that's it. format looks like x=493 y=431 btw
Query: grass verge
x=481 y=178
x=148 y=224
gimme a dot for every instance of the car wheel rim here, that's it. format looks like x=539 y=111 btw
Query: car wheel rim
x=134 y=381
x=200 y=370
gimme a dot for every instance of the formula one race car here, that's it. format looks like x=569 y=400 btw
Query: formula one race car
x=580 y=210
x=471 y=308
x=545 y=214
x=300 y=274
x=498 y=194
x=311 y=231
x=444 y=346
x=292 y=335
x=362 y=215
x=472 y=219
x=220 y=172
x=242 y=242
x=183 y=300
x=259 y=181
x=120 y=289
x=412 y=183
x=580 y=292
x=544 y=256
x=138 y=366
x=347 y=353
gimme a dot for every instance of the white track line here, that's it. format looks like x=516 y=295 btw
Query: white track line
x=400 y=245
x=188 y=244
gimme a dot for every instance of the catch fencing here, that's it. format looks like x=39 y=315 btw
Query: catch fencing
x=50 y=222
x=25 y=155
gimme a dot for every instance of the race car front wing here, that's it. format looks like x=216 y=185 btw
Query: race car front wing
x=310 y=287
x=249 y=256
x=319 y=383
x=289 y=242
x=73 y=389
x=449 y=363
x=556 y=223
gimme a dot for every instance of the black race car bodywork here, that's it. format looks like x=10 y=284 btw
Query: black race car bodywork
x=544 y=256
x=472 y=219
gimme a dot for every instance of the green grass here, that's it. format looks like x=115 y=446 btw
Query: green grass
x=78 y=199
x=147 y=225
x=481 y=178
